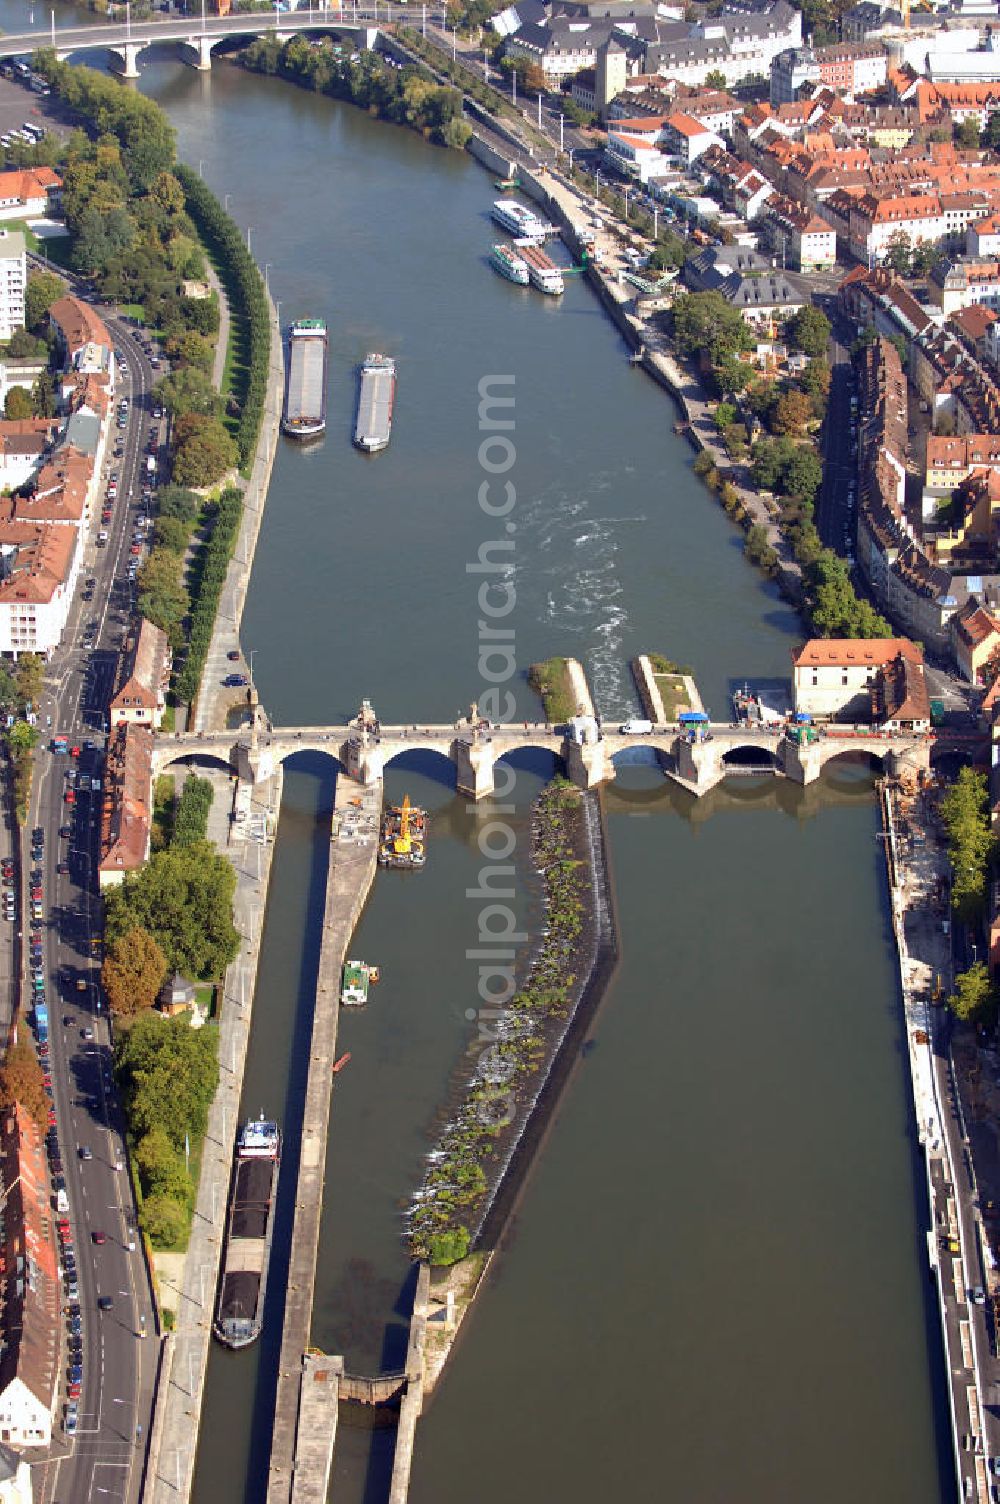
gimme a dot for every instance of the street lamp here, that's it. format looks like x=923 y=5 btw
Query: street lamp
x=201 y=164
x=225 y=202
x=571 y=151
x=267 y=268
x=454 y=42
x=561 y=119
x=597 y=184
x=249 y=233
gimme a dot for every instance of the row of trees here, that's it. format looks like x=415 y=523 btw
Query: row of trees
x=192 y=810
x=224 y=518
x=408 y=96
x=167 y=1074
x=248 y=311
x=965 y=810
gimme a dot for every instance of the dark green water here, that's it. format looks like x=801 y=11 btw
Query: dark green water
x=715 y=1286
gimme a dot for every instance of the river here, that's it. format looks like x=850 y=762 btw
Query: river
x=716 y=1285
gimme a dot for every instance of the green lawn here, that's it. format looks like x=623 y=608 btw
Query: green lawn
x=673 y=694
x=551 y=681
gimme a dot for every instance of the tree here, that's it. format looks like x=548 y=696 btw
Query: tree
x=899 y=252
x=163 y=599
x=991 y=135
x=171 y=533
x=183 y=897
x=175 y=501
x=21 y=737
x=17 y=403
x=21 y=1080
x=449 y=1246
x=163 y=1220
x=133 y=972
x=725 y=416
x=815 y=382
x=924 y=259
x=715 y=79
x=705 y=321
x=967 y=134
x=43 y=289
x=168 y=1074
x=975 y=998
x=161 y=1168
x=43 y=397
x=29 y=678
x=189 y=391
x=809 y=330
x=204 y=450
x=792 y=411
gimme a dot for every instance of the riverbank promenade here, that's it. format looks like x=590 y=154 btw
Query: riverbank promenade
x=353 y=853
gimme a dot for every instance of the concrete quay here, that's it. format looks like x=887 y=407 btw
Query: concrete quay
x=918 y=872
x=316 y=1432
x=353 y=855
x=177 y=1411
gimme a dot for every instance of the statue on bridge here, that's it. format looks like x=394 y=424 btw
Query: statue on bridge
x=367 y=721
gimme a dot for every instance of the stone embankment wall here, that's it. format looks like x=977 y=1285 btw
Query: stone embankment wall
x=649 y=694
x=580 y=687
x=413 y=1399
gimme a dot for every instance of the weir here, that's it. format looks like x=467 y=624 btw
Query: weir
x=353 y=853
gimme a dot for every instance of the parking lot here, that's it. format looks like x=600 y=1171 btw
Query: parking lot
x=19 y=103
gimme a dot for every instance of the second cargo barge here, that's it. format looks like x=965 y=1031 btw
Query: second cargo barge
x=375 y=400
x=239 y=1313
x=305 y=387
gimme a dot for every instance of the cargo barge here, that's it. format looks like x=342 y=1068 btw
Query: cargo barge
x=246 y=1255
x=304 y=416
x=375 y=399
x=404 y=834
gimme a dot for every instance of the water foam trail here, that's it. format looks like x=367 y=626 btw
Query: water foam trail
x=582 y=593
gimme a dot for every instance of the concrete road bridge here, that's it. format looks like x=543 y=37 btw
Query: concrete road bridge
x=364 y=751
x=198 y=36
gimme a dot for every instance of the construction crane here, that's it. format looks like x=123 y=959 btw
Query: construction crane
x=401 y=843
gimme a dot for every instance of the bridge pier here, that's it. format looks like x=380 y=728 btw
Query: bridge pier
x=587 y=763
x=803 y=763
x=363 y=760
x=699 y=765
x=203 y=46
x=127 y=54
x=473 y=766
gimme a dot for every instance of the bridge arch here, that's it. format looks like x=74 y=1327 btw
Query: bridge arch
x=640 y=754
x=434 y=763
x=858 y=756
x=750 y=758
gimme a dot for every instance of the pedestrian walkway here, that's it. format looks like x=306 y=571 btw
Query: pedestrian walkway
x=222 y=343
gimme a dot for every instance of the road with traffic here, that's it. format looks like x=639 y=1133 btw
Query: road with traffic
x=104 y=1459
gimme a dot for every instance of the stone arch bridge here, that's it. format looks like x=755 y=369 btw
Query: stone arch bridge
x=254 y=752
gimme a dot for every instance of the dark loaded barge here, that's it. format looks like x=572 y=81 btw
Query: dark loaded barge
x=250 y=1224
x=305 y=389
